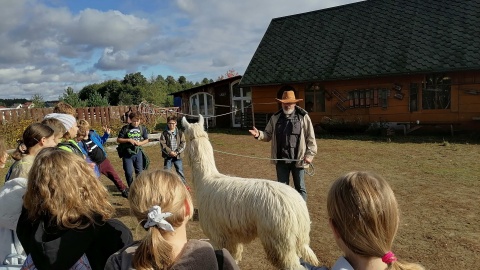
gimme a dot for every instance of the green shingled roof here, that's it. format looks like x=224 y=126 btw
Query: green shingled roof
x=368 y=39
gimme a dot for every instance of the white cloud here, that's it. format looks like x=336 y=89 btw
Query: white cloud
x=46 y=49
x=108 y=29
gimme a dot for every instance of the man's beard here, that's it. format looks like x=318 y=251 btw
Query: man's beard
x=288 y=111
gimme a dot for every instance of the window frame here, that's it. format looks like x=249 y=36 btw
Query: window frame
x=205 y=97
x=436 y=92
x=315 y=93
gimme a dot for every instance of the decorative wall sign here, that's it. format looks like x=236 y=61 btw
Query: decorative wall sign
x=397 y=87
x=339 y=95
x=341 y=107
x=398 y=96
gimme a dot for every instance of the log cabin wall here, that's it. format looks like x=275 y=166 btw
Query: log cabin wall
x=388 y=99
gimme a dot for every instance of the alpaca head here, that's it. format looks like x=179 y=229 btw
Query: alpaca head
x=199 y=151
x=194 y=130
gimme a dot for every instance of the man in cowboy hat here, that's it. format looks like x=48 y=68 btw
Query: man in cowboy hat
x=293 y=141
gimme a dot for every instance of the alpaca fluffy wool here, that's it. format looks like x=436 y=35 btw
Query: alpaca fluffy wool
x=233 y=210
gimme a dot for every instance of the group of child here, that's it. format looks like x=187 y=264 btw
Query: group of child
x=63 y=219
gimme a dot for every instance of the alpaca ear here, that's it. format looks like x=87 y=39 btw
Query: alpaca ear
x=185 y=123
x=200 y=120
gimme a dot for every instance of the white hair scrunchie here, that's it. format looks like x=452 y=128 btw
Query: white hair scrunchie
x=157 y=218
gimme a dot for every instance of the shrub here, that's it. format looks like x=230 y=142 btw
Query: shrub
x=13 y=131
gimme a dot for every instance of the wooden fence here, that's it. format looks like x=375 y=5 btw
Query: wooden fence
x=94 y=115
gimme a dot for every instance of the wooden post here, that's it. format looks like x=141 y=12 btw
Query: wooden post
x=253 y=116
x=81 y=114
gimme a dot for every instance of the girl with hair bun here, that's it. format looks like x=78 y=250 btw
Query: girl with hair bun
x=35 y=137
x=162 y=205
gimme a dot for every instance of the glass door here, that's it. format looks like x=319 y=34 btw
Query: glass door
x=241 y=100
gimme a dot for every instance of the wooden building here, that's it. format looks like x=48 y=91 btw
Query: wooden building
x=403 y=63
x=223 y=103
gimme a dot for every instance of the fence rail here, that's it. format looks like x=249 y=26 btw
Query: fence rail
x=94 y=115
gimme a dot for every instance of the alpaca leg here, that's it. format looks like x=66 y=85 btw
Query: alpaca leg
x=236 y=250
x=281 y=251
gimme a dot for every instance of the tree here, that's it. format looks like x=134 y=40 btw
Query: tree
x=72 y=98
x=182 y=80
x=230 y=73
x=38 y=101
x=205 y=81
x=125 y=99
x=135 y=79
x=130 y=95
x=155 y=91
x=170 y=80
x=96 y=100
x=88 y=91
x=111 y=90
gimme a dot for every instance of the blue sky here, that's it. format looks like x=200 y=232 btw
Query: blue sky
x=49 y=45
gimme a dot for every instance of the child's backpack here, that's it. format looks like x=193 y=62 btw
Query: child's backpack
x=70 y=147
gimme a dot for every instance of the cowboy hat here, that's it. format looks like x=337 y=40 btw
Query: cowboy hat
x=288 y=97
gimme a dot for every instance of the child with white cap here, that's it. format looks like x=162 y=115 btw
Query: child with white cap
x=68 y=143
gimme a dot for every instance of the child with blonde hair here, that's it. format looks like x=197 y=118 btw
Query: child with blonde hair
x=161 y=203
x=70 y=124
x=58 y=128
x=68 y=142
x=363 y=214
x=66 y=215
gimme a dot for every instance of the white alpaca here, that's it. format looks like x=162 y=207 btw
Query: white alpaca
x=233 y=210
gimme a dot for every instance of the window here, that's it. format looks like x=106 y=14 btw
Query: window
x=413 y=97
x=315 y=98
x=202 y=103
x=436 y=92
x=241 y=101
x=383 y=98
x=363 y=98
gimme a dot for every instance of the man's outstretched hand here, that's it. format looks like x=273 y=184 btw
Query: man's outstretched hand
x=254 y=132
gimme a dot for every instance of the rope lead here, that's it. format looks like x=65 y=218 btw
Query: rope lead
x=310 y=170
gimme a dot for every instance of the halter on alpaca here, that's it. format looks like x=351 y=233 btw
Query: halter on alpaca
x=234 y=211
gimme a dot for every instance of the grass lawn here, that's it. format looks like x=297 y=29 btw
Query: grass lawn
x=437 y=185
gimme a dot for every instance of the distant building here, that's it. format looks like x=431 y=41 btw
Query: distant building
x=28 y=105
x=222 y=103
